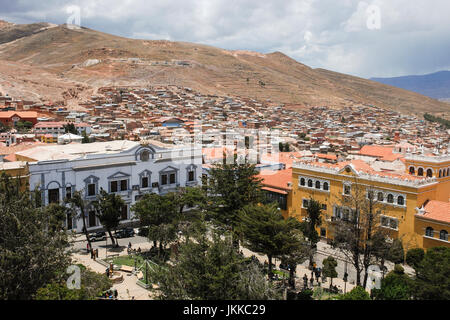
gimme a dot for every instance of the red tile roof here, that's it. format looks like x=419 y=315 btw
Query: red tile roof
x=277 y=179
x=437 y=211
x=383 y=152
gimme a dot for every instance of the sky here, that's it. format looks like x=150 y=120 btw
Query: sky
x=373 y=38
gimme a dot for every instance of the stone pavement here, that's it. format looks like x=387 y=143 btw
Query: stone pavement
x=128 y=288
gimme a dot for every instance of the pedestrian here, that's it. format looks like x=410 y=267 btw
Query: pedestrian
x=87 y=247
x=115 y=294
x=311 y=282
x=96 y=253
x=305 y=281
x=92 y=254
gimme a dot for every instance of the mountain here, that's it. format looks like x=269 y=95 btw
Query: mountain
x=435 y=85
x=45 y=62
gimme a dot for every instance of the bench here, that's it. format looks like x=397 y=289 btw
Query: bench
x=127 y=269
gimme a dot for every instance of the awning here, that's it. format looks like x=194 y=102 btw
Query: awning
x=274 y=190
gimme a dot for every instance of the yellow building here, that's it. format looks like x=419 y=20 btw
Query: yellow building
x=412 y=202
x=16 y=170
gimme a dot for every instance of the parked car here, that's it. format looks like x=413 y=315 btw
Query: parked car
x=99 y=236
x=125 y=233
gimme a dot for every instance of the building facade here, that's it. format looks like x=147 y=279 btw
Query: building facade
x=402 y=198
x=129 y=169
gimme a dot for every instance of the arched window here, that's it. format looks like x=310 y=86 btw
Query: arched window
x=145 y=155
x=443 y=235
x=380 y=196
x=429 y=173
x=310 y=183
x=420 y=172
x=429 y=232
x=317 y=184
x=440 y=173
x=448 y=172
x=412 y=170
x=325 y=186
x=302 y=181
x=390 y=198
x=400 y=200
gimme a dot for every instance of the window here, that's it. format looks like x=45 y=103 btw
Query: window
x=440 y=173
x=370 y=195
x=429 y=232
x=317 y=184
x=400 y=201
x=380 y=196
x=69 y=192
x=124 y=212
x=420 y=172
x=191 y=176
x=91 y=189
x=324 y=207
x=393 y=224
x=429 y=173
x=347 y=189
x=302 y=181
x=385 y=221
x=325 y=186
x=172 y=178
x=144 y=182
x=390 y=198
x=323 y=232
x=123 y=185
x=145 y=155
x=412 y=170
x=443 y=235
x=310 y=183
x=305 y=203
x=164 y=179
x=53 y=196
x=346 y=215
x=114 y=186
x=92 y=220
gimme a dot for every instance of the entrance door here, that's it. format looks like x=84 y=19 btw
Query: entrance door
x=92 y=222
x=69 y=222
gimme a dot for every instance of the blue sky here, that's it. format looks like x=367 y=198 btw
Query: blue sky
x=366 y=38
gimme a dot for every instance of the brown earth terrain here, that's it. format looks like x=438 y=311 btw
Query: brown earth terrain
x=45 y=62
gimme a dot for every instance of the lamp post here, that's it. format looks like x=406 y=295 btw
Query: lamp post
x=345 y=277
x=106 y=247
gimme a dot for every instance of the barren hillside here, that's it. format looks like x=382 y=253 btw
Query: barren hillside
x=80 y=60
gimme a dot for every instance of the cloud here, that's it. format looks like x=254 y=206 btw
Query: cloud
x=413 y=36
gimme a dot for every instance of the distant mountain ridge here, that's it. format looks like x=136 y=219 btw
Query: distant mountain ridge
x=434 y=85
x=46 y=62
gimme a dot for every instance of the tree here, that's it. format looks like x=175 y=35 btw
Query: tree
x=211 y=270
x=230 y=188
x=414 y=257
x=108 y=209
x=265 y=231
x=357 y=293
x=396 y=253
x=92 y=286
x=358 y=233
x=433 y=275
x=329 y=269
x=85 y=138
x=313 y=221
x=395 y=286
x=78 y=207
x=160 y=213
x=33 y=244
x=70 y=128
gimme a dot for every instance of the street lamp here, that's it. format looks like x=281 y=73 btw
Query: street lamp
x=106 y=247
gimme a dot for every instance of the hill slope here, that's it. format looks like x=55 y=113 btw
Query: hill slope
x=90 y=59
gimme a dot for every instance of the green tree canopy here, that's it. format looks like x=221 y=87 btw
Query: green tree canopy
x=161 y=214
x=209 y=268
x=265 y=231
x=33 y=244
x=108 y=209
x=329 y=268
x=414 y=257
x=395 y=286
x=433 y=275
x=357 y=293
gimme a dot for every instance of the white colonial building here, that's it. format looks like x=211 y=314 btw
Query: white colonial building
x=129 y=169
